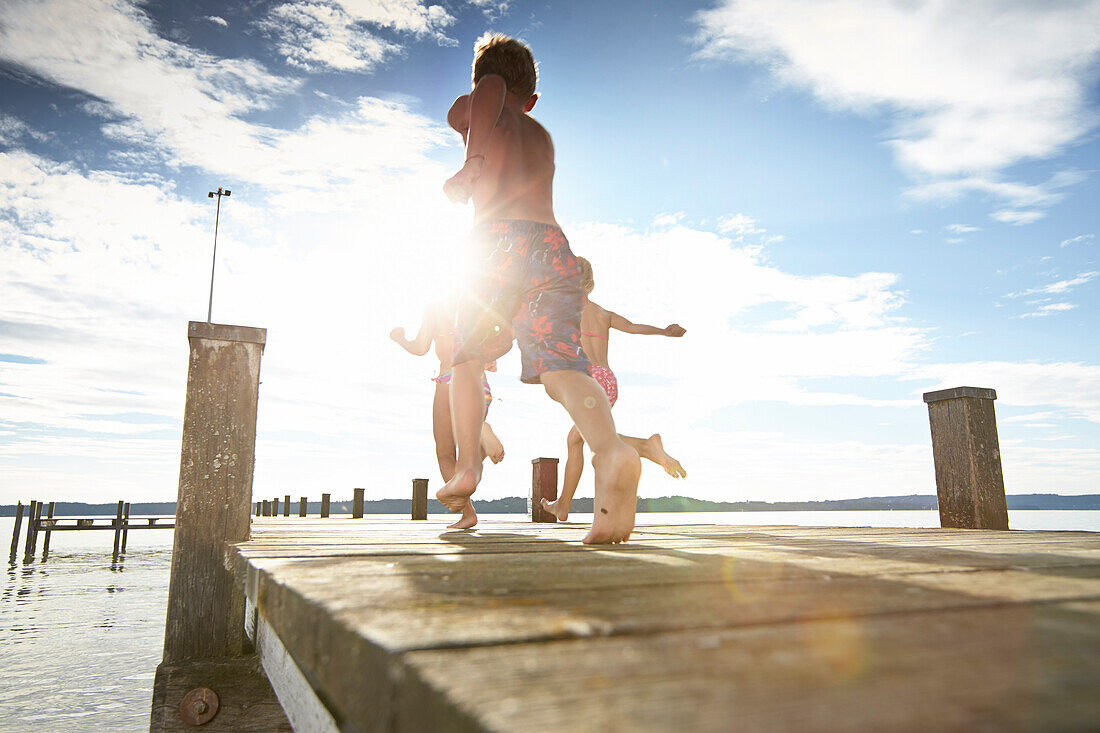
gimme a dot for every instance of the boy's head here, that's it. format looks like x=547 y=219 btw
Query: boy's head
x=512 y=60
x=587 y=281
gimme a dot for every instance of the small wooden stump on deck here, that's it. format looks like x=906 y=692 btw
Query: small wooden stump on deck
x=286 y=505
x=357 y=504
x=258 y=508
x=969 y=483
x=302 y=507
x=420 y=498
x=275 y=507
x=544 y=485
x=267 y=507
x=325 y=500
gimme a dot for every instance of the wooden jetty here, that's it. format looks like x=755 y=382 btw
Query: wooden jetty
x=371 y=625
x=120 y=524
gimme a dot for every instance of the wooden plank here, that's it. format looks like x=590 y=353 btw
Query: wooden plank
x=304 y=709
x=992 y=669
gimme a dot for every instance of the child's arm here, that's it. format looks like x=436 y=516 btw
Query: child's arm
x=485 y=105
x=621 y=324
x=458 y=117
x=419 y=345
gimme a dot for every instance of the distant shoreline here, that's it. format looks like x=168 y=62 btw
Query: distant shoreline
x=518 y=505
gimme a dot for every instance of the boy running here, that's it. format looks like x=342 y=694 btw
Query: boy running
x=526 y=284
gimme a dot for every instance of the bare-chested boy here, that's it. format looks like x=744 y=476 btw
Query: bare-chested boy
x=596 y=325
x=526 y=284
x=436 y=326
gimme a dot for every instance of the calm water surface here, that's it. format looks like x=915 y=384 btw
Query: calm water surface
x=80 y=635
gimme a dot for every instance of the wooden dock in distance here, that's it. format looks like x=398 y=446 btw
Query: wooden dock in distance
x=405 y=626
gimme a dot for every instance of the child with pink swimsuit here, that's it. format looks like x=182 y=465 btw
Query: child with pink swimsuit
x=596 y=325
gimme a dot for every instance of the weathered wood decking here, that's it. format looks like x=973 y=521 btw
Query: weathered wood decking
x=405 y=626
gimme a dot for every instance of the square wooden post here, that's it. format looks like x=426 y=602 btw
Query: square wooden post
x=275 y=507
x=267 y=507
x=969 y=483
x=15 y=532
x=420 y=498
x=357 y=504
x=204 y=635
x=325 y=500
x=544 y=485
x=258 y=506
x=49 y=525
x=32 y=524
x=286 y=505
x=302 y=507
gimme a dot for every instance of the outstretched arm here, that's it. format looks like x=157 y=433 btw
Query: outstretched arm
x=419 y=345
x=483 y=110
x=642 y=329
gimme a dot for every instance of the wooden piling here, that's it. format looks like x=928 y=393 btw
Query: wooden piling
x=969 y=482
x=357 y=504
x=32 y=529
x=266 y=508
x=204 y=640
x=302 y=506
x=118 y=529
x=15 y=532
x=259 y=506
x=125 y=525
x=544 y=485
x=420 y=498
x=286 y=505
x=275 y=507
x=46 y=535
x=325 y=499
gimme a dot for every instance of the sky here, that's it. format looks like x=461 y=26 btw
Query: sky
x=847 y=203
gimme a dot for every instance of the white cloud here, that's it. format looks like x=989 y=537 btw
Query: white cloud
x=1016 y=218
x=1079 y=239
x=12 y=129
x=1048 y=310
x=336 y=34
x=1057 y=288
x=962 y=228
x=218 y=20
x=971 y=88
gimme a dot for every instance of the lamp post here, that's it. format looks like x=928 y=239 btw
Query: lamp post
x=217 y=214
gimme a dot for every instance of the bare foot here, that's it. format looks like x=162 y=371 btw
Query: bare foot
x=491 y=445
x=559 y=508
x=455 y=494
x=469 y=518
x=654 y=450
x=617 y=474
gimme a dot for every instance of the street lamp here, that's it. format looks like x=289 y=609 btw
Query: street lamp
x=217 y=214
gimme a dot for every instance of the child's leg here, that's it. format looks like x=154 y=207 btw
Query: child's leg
x=616 y=464
x=490 y=444
x=654 y=449
x=442 y=432
x=574 y=467
x=468 y=413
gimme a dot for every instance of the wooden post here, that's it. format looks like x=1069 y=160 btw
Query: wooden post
x=357 y=505
x=544 y=484
x=204 y=639
x=125 y=525
x=32 y=529
x=117 y=524
x=969 y=483
x=420 y=498
x=46 y=536
x=325 y=499
x=302 y=507
x=15 y=532
x=286 y=505
x=259 y=507
x=267 y=508
x=275 y=507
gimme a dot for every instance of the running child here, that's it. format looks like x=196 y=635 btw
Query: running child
x=526 y=285
x=435 y=326
x=596 y=325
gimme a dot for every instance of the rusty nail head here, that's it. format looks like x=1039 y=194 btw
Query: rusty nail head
x=199 y=706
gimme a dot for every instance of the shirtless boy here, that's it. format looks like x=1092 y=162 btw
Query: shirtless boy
x=435 y=326
x=526 y=284
x=596 y=325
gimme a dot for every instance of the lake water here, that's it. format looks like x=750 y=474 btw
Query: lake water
x=81 y=635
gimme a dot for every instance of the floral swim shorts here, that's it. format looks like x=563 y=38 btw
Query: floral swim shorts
x=527 y=288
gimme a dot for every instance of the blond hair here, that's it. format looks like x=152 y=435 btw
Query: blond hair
x=588 y=282
x=496 y=53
